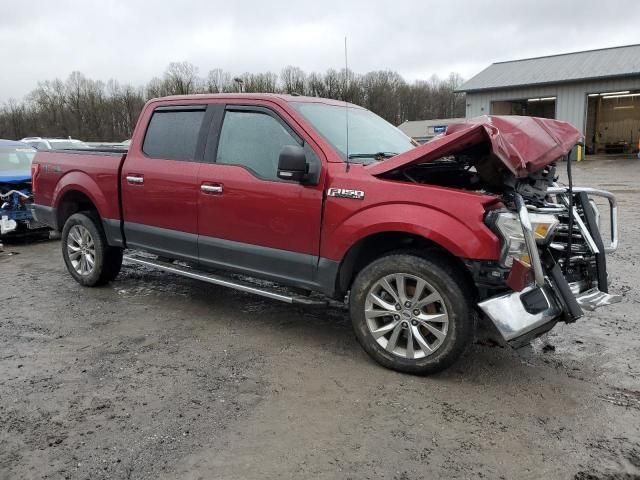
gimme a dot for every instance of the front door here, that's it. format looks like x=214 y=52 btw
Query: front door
x=250 y=220
x=160 y=183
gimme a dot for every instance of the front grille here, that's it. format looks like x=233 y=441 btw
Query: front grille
x=581 y=265
x=561 y=239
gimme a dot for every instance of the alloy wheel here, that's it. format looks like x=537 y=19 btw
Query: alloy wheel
x=81 y=250
x=406 y=315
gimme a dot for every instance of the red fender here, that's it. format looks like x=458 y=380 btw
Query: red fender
x=98 y=194
x=465 y=239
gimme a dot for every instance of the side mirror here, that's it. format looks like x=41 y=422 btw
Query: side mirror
x=292 y=164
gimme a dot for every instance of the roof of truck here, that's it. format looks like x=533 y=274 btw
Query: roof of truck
x=280 y=97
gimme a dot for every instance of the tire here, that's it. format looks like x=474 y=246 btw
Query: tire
x=88 y=257
x=437 y=321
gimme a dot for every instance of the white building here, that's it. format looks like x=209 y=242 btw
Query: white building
x=598 y=91
x=424 y=130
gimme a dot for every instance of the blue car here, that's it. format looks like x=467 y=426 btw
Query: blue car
x=15 y=189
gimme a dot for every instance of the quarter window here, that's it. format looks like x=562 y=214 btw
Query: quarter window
x=173 y=135
x=253 y=140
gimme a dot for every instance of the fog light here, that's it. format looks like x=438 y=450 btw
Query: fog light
x=543 y=225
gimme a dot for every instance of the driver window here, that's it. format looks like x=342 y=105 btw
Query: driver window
x=253 y=140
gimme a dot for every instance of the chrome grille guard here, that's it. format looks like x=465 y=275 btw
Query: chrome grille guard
x=613 y=209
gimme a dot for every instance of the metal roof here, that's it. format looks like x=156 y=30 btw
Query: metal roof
x=419 y=128
x=566 y=67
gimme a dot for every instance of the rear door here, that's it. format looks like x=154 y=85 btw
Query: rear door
x=159 y=182
x=250 y=220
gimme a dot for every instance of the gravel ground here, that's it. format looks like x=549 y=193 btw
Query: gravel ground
x=157 y=376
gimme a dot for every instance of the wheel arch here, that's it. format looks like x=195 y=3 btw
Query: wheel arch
x=376 y=245
x=73 y=201
x=76 y=191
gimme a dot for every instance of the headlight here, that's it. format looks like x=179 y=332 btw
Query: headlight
x=508 y=226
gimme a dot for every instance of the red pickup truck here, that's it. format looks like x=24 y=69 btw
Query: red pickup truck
x=330 y=199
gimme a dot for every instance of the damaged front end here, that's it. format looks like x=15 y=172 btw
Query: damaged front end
x=16 y=196
x=15 y=212
x=558 y=269
x=552 y=264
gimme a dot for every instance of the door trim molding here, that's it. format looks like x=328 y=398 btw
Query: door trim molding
x=162 y=241
x=296 y=269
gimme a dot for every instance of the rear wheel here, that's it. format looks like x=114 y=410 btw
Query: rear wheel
x=88 y=257
x=411 y=313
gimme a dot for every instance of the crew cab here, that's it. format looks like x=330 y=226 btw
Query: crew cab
x=330 y=199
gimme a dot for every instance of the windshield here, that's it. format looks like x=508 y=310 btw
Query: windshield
x=16 y=159
x=370 y=137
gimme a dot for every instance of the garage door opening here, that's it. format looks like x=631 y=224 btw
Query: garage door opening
x=613 y=122
x=533 y=107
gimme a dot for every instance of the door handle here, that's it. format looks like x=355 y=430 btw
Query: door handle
x=135 y=179
x=209 y=188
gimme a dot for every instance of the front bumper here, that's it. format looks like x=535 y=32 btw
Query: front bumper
x=519 y=320
x=516 y=323
x=10 y=219
x=522 y=316
x=45 y=215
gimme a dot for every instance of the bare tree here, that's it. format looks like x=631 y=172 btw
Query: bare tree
x=315 y=86
x=94 y=110
x=74 y=89
x=219 y=81
x=260 y=82
x=332 y=83
x=17 y=118
x=156 y=88
x=293 y=80
x=181 y=78
x=381 y=91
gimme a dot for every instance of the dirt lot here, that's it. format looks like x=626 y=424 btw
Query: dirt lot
x=156 y=376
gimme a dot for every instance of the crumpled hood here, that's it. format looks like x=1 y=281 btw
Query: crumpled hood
x=523 y=144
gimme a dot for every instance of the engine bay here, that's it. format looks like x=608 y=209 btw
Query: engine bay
x=478 y=170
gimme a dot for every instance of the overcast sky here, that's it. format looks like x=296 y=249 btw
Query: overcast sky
x=132 y=40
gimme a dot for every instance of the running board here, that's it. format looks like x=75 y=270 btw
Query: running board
x=225 y=282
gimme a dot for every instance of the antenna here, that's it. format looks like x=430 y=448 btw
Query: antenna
x=346 y=105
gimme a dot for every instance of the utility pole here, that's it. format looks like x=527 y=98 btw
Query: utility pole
x=240 y=84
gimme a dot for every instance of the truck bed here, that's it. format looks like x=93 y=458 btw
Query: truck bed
x=96 y=170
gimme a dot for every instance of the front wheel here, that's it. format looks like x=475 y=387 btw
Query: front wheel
x=411 y=313
x=89 y=258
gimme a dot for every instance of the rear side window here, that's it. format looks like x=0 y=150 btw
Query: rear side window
x=253 y=140
x=173 y=134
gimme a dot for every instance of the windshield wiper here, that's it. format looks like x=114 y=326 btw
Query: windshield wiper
x=377 y=155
